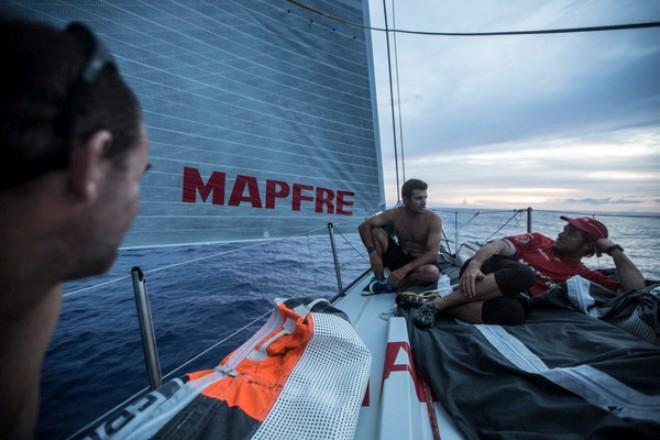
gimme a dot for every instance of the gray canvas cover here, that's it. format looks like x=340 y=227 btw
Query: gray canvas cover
x=636 y=312
x=562 y=374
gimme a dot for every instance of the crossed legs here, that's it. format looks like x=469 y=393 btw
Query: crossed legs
x=496 y=298
x=394 y=258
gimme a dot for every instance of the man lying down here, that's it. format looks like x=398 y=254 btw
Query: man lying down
x=493 y=280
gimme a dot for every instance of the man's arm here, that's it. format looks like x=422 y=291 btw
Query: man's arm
x=473 y=272
x=366 y=235
x=432 y=246
x=631 y=278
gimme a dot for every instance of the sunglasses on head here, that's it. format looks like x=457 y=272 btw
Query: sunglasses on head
x=57 y=157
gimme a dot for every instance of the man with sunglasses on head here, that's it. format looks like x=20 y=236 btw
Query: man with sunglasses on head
x=493 y=279
x=73 y=152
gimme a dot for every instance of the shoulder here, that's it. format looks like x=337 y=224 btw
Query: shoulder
x=529 y=239
x=394 y=214
x=432 y=217
x=385 y=216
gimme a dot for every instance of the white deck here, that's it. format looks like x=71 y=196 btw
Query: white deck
x=392 y=409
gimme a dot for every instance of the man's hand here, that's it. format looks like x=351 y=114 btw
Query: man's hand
x=397 y=276
x=602 y=245
x=376 y=264
x=469 y=280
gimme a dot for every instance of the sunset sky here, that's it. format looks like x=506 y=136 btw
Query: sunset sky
x=567 y=121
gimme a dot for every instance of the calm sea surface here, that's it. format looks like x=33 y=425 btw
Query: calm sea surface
x=95 y=360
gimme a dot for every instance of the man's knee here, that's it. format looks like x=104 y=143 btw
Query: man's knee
x=503 y=310
x=428 y=273
x=515 y=279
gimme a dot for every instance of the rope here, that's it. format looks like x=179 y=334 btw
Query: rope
x=616 y=27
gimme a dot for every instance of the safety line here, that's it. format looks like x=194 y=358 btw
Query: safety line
x=170 y=266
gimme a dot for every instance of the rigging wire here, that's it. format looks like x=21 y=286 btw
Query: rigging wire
x=475 y=215
x=351 y=244
x=516 y=213
x=398 y=97
x=182 y=263
x=616 y=27
x=389 y=71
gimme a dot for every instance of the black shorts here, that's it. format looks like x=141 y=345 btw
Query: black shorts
x=394 y=257
x=512 y=277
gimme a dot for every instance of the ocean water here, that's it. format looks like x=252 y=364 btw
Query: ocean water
x=95 y=359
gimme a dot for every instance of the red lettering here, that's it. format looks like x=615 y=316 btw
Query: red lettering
x=324 y=196
x=237 y=193
x=341 y=202
x=298 y=195
x=365 y=401
x=246 y=189
x=192 y=182
x=272 y=192
x=391 y=353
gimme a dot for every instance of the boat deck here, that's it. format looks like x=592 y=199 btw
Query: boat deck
x=395 y=403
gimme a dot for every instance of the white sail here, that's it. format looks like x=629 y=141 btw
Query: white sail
x=261 y=117
x=261 y=114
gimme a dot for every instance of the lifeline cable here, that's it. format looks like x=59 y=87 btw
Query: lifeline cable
x=616 y=27
x=193 y=260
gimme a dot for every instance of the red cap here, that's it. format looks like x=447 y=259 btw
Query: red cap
x=592 y=227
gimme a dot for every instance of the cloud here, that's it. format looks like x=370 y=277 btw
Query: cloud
x=604 y=201
x=578 y=112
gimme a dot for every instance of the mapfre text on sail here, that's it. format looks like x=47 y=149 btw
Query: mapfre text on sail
x=276 y=193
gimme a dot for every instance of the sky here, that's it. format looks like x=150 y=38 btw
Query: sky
x=568 y=121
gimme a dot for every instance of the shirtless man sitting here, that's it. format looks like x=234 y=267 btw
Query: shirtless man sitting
x=418 y=231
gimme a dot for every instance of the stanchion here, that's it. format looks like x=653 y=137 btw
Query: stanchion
x=146 y=327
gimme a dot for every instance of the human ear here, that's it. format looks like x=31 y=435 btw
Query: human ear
x=85 y=165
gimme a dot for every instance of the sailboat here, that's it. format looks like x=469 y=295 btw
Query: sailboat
x=263 y=124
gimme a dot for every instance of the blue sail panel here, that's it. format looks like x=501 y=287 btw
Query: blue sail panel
x=261 y=114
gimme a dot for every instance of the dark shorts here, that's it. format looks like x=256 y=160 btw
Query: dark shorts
x=394 y=257
x=513 y=278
